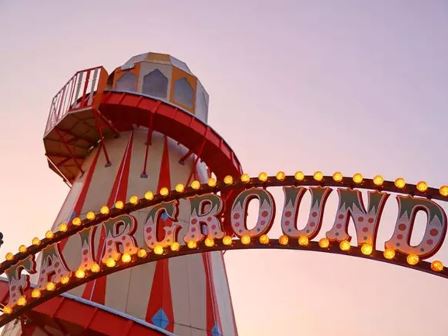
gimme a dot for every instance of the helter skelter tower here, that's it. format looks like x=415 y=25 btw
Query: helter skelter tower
x=140 y=128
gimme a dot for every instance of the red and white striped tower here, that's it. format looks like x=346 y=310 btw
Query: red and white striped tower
x=109 y=137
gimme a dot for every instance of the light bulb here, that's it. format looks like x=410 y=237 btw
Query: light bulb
x=378 y=180
x=133 y=200
x=263 y=177
x=195 y=185
x=344 y=245
x=245 y=239
x=104 y=210
x=324 y=243
x=357 y=178
x=299 y=176
x=149 y=195
x=264 y=239
x=318 y=176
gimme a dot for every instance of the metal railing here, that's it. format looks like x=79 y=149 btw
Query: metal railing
x=81 y=91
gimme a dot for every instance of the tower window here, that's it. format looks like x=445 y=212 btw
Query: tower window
x=127 y=82
x=155 y=84
x=183 y=92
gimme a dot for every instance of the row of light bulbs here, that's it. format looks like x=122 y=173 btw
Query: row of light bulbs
x=126 y=258
x=318 y=176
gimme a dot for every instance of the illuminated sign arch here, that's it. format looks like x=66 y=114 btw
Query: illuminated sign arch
x=218 y=212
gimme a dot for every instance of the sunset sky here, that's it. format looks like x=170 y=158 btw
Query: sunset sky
x=335 y=85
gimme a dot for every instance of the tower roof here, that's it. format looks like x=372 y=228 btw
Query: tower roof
x=152 y=57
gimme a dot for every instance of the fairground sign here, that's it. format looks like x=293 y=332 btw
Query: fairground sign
x=218 y=221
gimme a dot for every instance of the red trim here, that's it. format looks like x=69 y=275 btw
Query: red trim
x=148 y=139
x=99 y=128
x=28 y=329
x=160 y=296
x=178 y=125
x=230 y=296
x=96 y=290
x=69 y=150
x=72 y=317
x=213 y=316
x=83 y=194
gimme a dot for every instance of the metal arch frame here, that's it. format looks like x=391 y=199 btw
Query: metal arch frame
x=327 y=181
x=219 y=245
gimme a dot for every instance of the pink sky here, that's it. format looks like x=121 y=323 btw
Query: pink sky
x=330 y=85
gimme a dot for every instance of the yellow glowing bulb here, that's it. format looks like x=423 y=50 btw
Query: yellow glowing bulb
x=104 y=210
x=245 y=178
x=164 y=191
x=263 y=177
x=280 y=176
x=80 y=273
x=245 y=239
x=76 y=221
x=337 y=177
x=142 y=253
x=51 y=286
x=209 y=242
x=400 y=183
x=95 y=268
x=345 y=245
x=304 y=241
x=443 y=190
x=90 y=215
x=110 y=262
x=389 y=253
x=318 y=176
x=9 y=256
x=126 y=258
x=228 y=180
x=324 y=243
x=65 y=279
x=35 y=293
x=133 y=200
x=422 y=186
x=63 y=227
x=283 y=240
x=357 y=178
x=21 y=301
x=192 y=244
x=299 y=176
x=211 y=182
x=179 y=188
x=366 y=249
x=437 y=266
x=412 y=259
x=7 y=310
x=119 y=204
x=158 y=249
x=22 y=248
x=195 y=185
x=49 y=234
x=175 y=246
x=264 y=239
x=378 y=180
x=227 y=240
x=149 y=195
x=35 y=241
